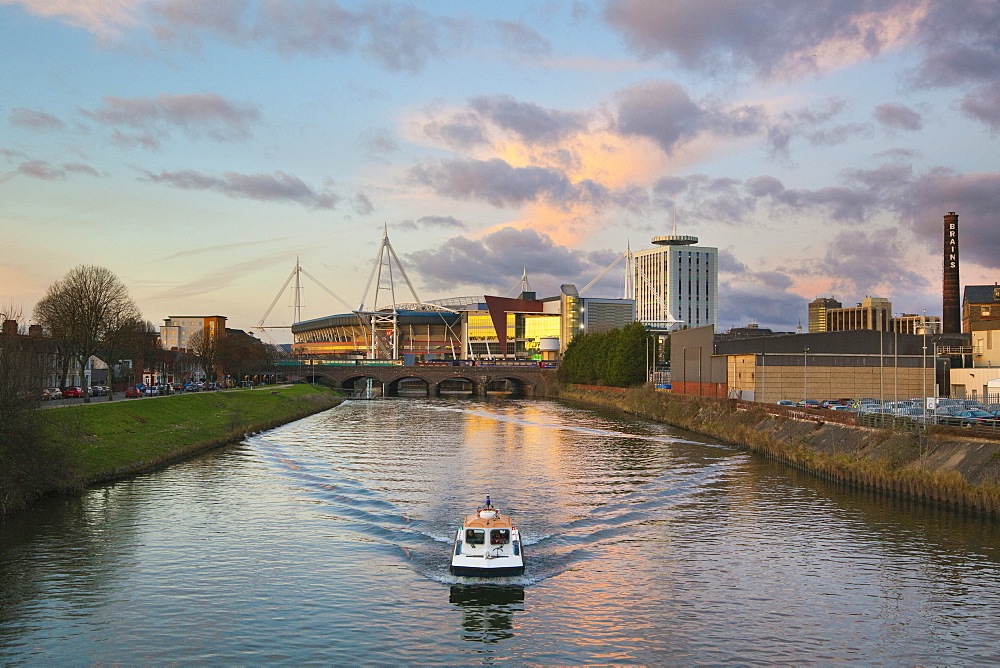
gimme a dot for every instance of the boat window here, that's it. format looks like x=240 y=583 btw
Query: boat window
x=475 y=536
x=499 y=536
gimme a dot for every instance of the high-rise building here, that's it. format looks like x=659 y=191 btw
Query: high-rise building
x=817 y=313
x=676 y=283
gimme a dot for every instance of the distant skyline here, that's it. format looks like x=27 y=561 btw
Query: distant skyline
x=197 y=148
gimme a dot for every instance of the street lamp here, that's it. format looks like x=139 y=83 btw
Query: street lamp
x=805 y=375
x=923 y=367
x=895 y=365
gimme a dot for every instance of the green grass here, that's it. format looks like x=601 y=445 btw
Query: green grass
x=107 y=440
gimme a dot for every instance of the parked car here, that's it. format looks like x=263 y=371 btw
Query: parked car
x=831 y=403
x=72 y=392
x=809 y=403
x=133 y=393
x=192 y=387
x=979 y=417
x=51 y=393
x=967 y=418
x=151 y=390
x=783 y=402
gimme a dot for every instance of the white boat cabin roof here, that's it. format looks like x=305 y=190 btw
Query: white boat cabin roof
x=497 y=521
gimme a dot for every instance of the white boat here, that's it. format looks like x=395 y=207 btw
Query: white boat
x=488 y=545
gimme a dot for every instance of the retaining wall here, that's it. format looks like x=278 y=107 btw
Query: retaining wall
x=941 y=467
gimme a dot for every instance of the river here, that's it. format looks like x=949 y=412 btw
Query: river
x=327 y=541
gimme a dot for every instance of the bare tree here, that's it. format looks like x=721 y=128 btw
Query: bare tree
x=242 y=354
x=131 y=341
x=83 y=309
x=206 y=347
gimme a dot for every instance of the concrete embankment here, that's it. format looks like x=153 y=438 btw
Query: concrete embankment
x=940 y=467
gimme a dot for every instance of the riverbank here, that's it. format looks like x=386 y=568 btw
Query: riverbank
x=940 y=467
x=106 y=441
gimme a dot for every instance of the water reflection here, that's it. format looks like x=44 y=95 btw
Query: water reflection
x=645 y=545
x=487 y=610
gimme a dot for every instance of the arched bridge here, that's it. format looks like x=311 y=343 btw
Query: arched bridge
x=525 y=380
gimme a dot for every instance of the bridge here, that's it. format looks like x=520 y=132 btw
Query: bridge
x=527 y=381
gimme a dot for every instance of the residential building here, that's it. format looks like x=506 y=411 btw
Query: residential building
x=177 y=330
x=981 y=304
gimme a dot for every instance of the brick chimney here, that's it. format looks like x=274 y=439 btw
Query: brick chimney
x=34 y=330
x=951 y=311
x=10 y=326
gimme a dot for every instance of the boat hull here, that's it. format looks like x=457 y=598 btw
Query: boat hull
x=474 y=572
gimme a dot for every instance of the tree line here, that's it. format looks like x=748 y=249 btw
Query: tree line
x=88 y=313
x=618 y=358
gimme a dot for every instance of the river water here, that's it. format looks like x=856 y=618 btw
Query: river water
x=327 y=541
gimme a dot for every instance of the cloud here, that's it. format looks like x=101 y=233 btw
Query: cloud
x=520 y=39
x=276 y=187
x=35 y=120
x=39 y=169
x=529 y=122
x=761 y=297
x=105 y=19
x=428 y=222
x=898 y=117
x=724 y=36
x=152 y=118
x=362 y=205
x=220 y=277
x=497 y=260
x=42 y=169
x=494 y=181
x=397 y=37
x=872 y=262
x=378 y=142
x=983 y=105
x=975 y=197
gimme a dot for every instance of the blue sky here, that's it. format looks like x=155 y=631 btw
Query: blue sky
x=197 y=148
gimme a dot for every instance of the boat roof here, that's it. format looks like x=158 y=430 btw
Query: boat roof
x=477 y=522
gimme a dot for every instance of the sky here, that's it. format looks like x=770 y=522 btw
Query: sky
x=199 y=149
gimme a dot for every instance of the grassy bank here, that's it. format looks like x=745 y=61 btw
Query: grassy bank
x=940 y=467
x=109 y=440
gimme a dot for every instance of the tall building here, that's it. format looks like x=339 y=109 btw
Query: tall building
x=817 y=313
x=676 y=283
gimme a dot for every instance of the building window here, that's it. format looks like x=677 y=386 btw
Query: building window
x=986 y=310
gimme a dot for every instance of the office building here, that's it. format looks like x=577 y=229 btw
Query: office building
x=817 y=313
x=676 y=284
